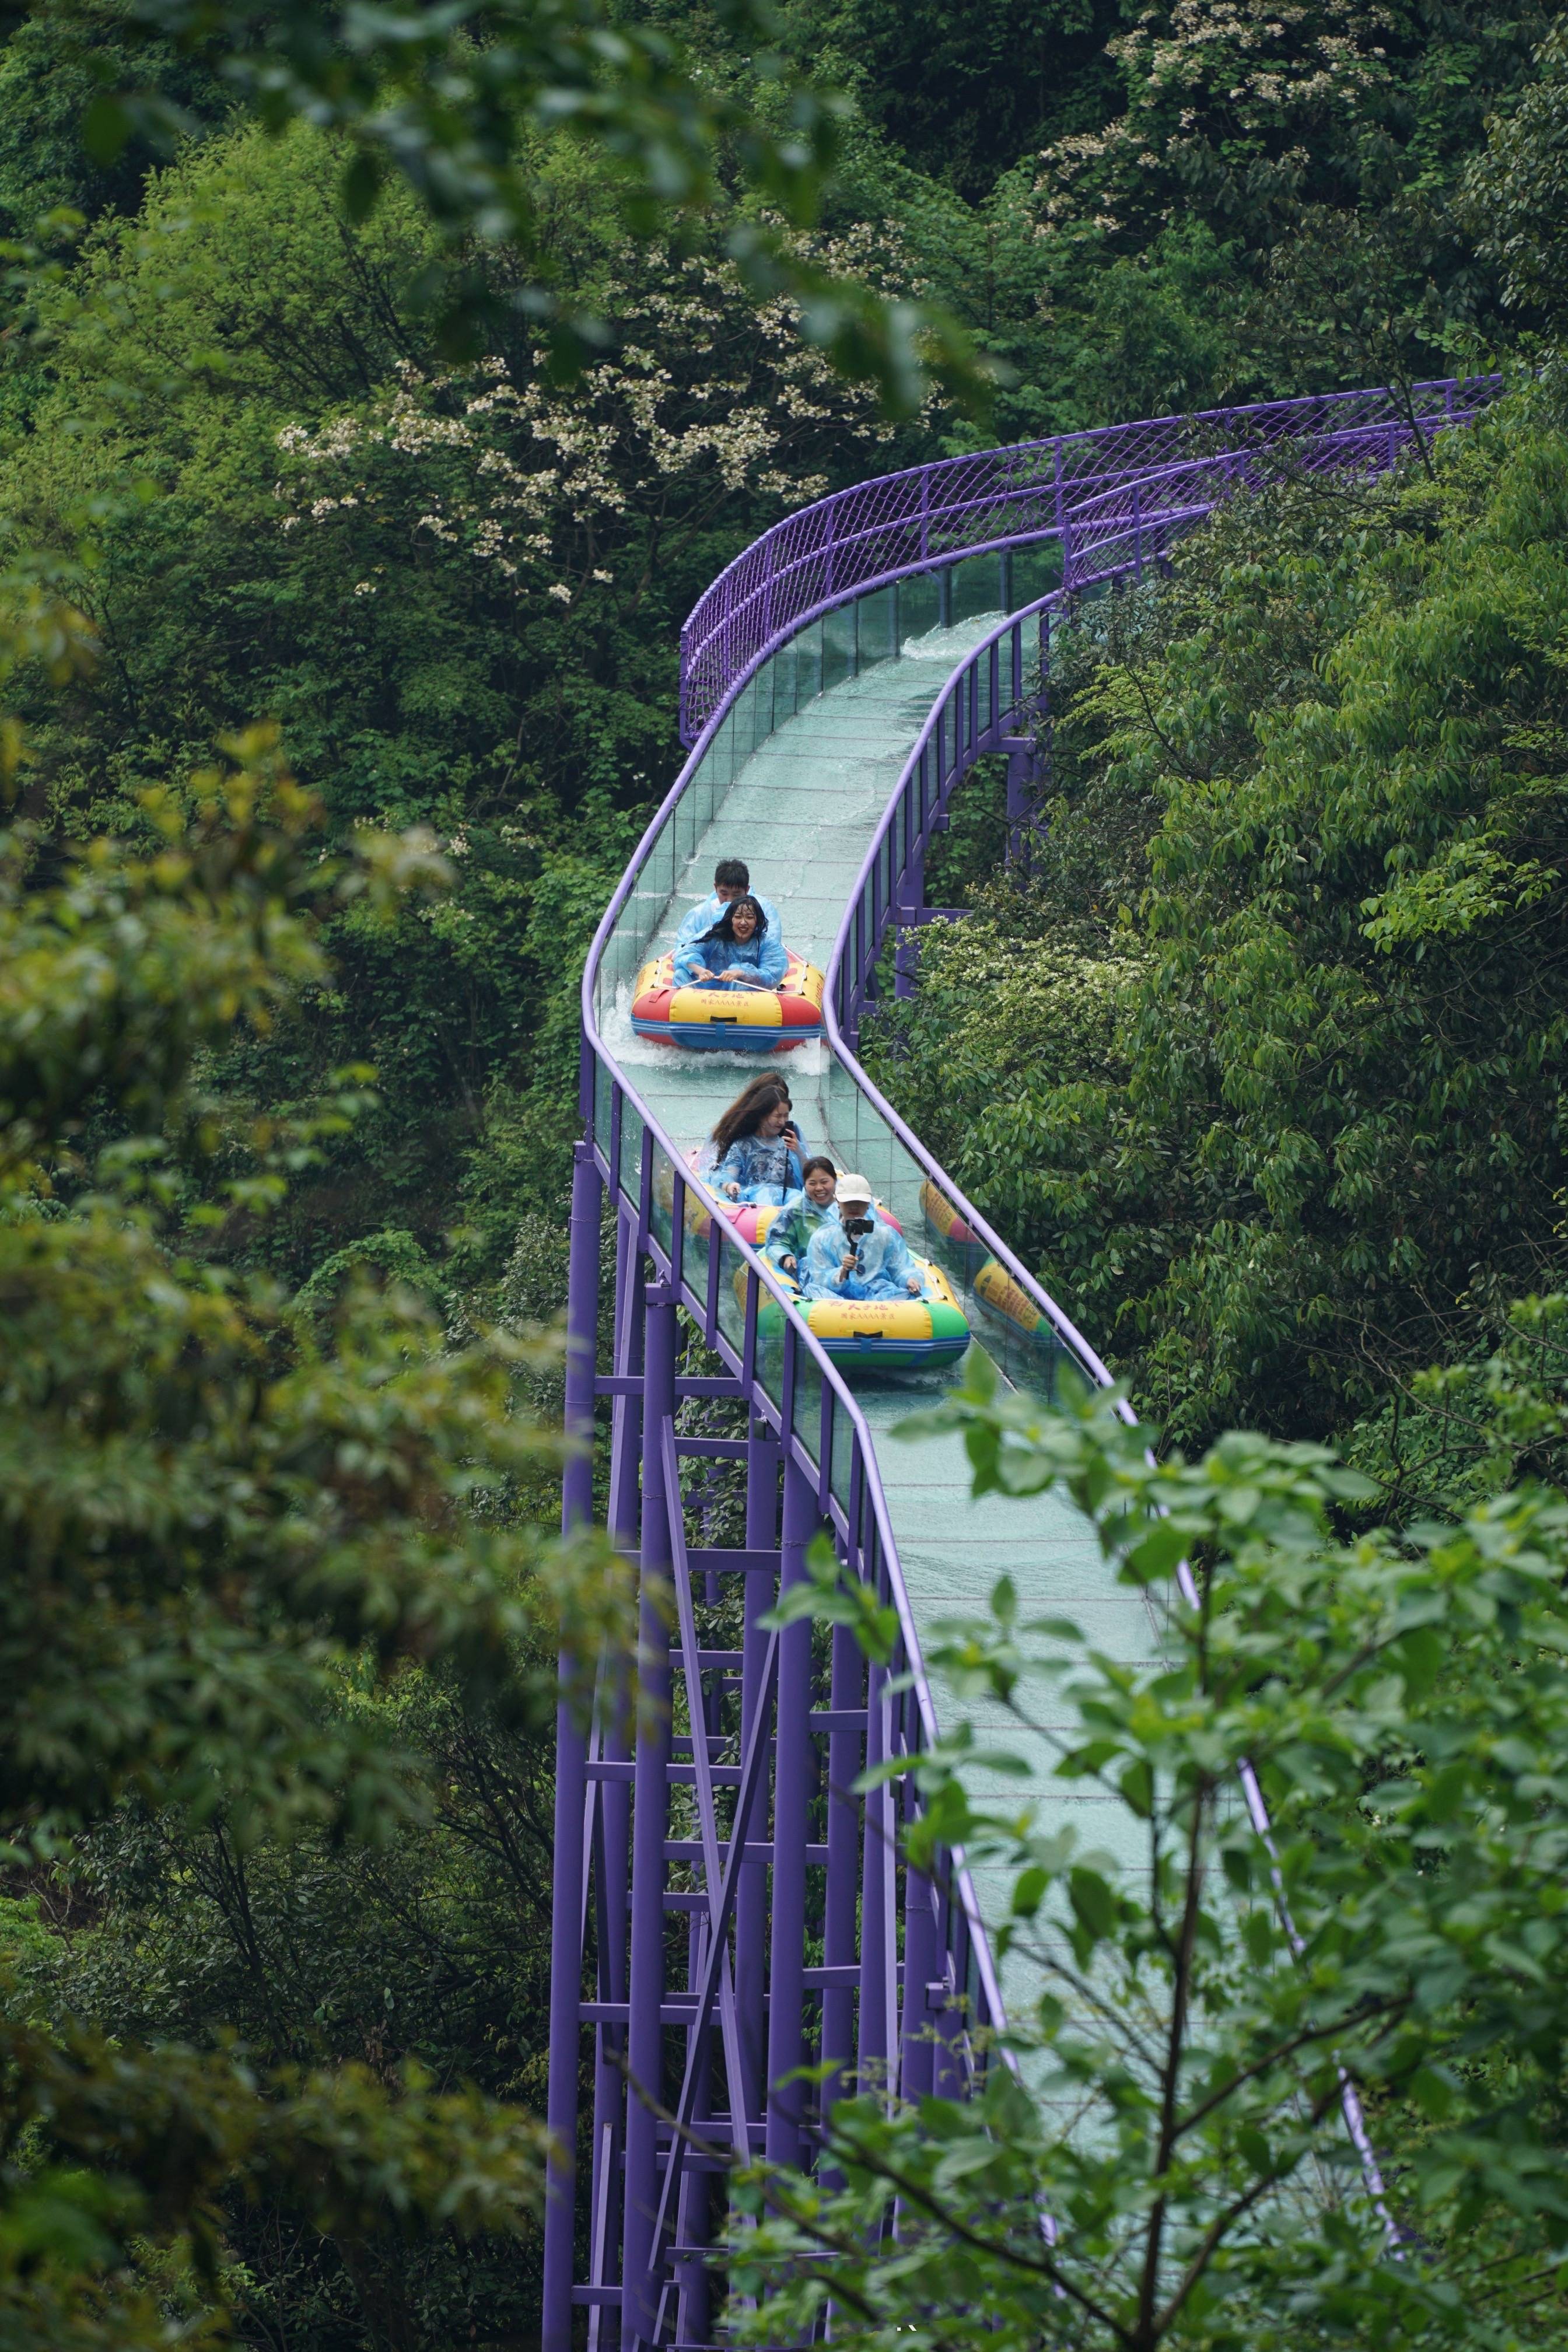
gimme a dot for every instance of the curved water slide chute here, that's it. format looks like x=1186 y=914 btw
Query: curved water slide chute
x=726 y=1910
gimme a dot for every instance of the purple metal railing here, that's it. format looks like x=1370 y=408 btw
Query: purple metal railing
x=807 y=1417
x=1115 y=507
x=830 y=1476
x=880 y=530
x=995 y=691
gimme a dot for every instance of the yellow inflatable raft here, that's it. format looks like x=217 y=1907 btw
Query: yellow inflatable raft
x=743 y=1020
x=894 y=1335
x=1001 y=1296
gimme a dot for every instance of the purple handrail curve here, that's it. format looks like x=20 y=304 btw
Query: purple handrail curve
x=761 y=575
x=1325 y=451
x=844 y=1398
x=1254 y=421
x=1164 y=522
x=1061 y=1322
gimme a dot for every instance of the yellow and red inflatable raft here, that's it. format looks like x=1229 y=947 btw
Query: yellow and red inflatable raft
x=743 y=1020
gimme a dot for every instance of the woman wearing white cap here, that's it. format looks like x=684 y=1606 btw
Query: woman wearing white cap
x=858 y=1255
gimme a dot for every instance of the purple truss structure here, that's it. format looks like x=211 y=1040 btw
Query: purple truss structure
x=726 y=1912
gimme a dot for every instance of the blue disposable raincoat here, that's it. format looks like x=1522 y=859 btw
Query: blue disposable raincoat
x=790 y=1233
x=762 y=953
x=766 y=1169
x=881 y=1265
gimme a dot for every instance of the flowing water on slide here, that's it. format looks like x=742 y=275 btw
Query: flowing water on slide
x=801 y=812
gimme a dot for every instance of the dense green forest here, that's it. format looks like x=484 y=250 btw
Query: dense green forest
x=1266 y=1061
x=344 y=572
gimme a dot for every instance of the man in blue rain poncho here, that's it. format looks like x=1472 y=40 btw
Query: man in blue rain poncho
x=731 y=881
x=739 y=951
x=858 y=1255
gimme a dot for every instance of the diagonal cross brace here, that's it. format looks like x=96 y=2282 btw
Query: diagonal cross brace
x=716 y=1971
x=721 y=1882
x=708 y=1820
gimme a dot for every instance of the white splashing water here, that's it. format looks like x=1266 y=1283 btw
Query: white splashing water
x=808 y=1061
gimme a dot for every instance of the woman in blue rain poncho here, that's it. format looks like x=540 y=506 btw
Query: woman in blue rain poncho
x=741 y=949
x=857 y=1255
x=759 y=1152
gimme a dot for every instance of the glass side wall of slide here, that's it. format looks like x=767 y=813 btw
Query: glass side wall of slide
x=839 y=645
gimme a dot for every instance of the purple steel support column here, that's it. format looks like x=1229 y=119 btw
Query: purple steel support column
x=571 y=1771
x=876 y=1924
x=650 y=1810
x=917 y=2052
x=694 y=2204
x=792 y=1806
x=752 y=1894
x=614 y=1796
x=846 y=1693
x=911 y=898
x=612 y=1868
x=695 y=2197
x=613 y=1881
x=626 y=1428
x=948 y=2073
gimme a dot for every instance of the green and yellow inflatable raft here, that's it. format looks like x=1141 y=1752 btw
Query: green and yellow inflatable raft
x=894 y=1335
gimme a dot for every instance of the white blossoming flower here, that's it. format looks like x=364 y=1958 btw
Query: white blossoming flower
x=559 y=590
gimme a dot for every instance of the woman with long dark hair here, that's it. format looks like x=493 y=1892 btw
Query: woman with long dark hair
x=760 y=1154
x=741 y=949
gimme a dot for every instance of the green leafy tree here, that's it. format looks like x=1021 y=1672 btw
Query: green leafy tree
x=1160 y=2157
x=1294 y=1133
x=51 y=68
x=1516 y=189
x=269 y=495
x=1364 y=298
x=425 y=1947
x=959 y=91
x=444 y=100
x=218 y=1518
x=1242 y=117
